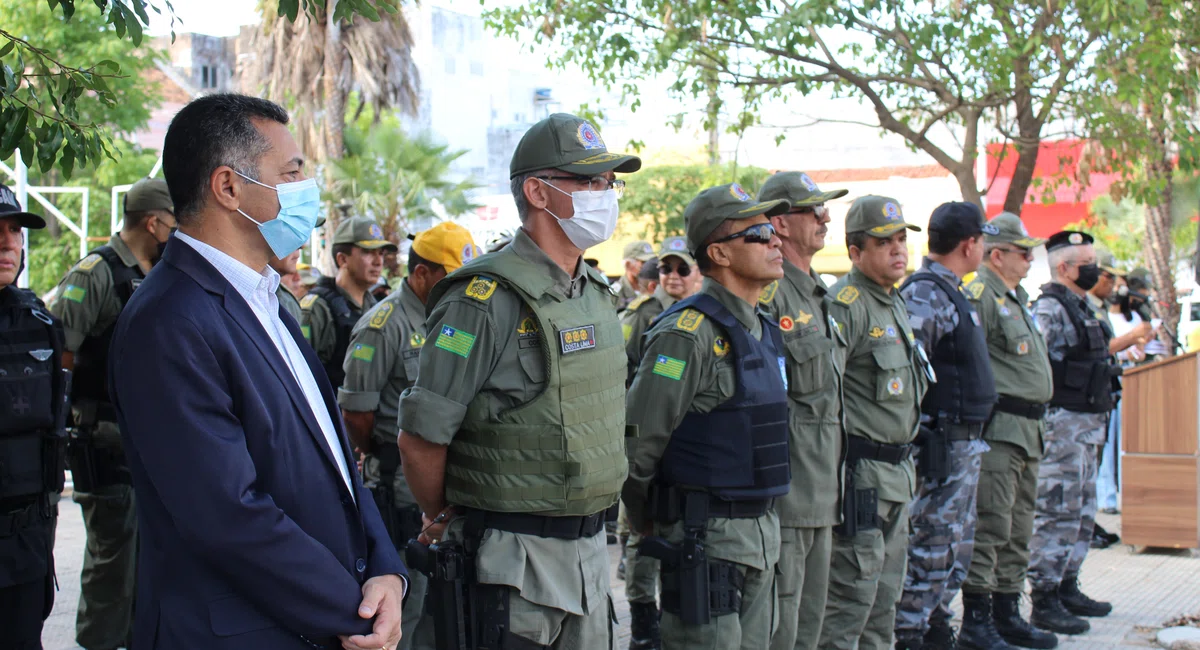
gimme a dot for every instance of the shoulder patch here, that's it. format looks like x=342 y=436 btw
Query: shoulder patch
x=308 y=300
x=847 y=295
x=89 y=262
x=720 y=346
x=637 y=302
x=381 y=315
x=481 y=288
x=689 y=320
x=768 y=293
x=975 y=289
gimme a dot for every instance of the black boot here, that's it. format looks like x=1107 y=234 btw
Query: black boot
x=978 y=632
x=643 y=633
x=909 y=644
x=939 y=636
x=1006 y=614
x=1077 y=602
x=1049 y=614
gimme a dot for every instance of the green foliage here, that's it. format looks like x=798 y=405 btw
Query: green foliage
x=344 y=9
x=656 y=196
x=68 y=81
x=1119 y=226
x=394 y=178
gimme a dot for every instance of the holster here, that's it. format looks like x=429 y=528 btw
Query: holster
x=94 y=467
x=694 y=588
x=447 y=566
x=860 y=508
x=933 y=459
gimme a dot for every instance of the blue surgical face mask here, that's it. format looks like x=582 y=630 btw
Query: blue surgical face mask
x=299 y=207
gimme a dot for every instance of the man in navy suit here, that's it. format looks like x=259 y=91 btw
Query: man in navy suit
x=255 y=529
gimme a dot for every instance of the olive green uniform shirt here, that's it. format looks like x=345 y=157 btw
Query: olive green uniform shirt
x=625 y=292
x=816 y=358
x=318 y=324
x=288 y=301
x=1020 y=363
x=507 y=364
x=885 y=378
x=636 y=319
x=658 y=402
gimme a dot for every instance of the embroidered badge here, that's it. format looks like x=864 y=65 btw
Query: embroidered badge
x=738 y=193
x=481 y=288
x=847 y=295
x=676 y=244
x=808 y=183
x=720 y=347
x=308 y=300
x=975 y=289
x=90 y=262
x=895 y=386
x=1023 y=348
x=599 y=158
x=1075 y=238
x=577 y=338
x=803 y=317
x=455 y=341
x=416 y=340
x=381 y=315
x=363 y=352
x=689 y=320
x=669 y=367
x=876 y=332
x=376 y=231
x=588 y=137
x=891 y=212
x=890 y=331
x=74 y=293
x=768 y=293
x=786 y=323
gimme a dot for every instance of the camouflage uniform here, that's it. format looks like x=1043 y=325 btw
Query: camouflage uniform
x=943 y=513
x=1066 y=503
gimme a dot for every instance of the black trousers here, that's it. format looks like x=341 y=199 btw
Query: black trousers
x=23 y=609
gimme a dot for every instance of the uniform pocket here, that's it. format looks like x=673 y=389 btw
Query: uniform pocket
x=997 y=483
x=1018 y=340
x=892 y=373
x=26 y=391
x=809 y=364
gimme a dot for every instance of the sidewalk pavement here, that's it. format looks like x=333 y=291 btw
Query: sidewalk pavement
x=1146 y=590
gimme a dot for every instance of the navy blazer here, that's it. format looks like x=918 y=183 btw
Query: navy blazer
x=249 y=537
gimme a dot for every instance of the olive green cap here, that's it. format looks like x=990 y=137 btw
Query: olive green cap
x=361 y=232
x=716 y=205
x=1011 y=231
x=1108 y=262
x=638 y=250
x=570 y=143
x=676 y=247
x=1140 y=275
x=797 y=188
x=149 y=194
x=878 y=216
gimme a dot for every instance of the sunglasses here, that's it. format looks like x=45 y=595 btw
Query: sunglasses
x=762 y=233
x=1027 y=254
x=682 y=270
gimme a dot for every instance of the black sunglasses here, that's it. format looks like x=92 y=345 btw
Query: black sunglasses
x=683 y=270
x=761 y=233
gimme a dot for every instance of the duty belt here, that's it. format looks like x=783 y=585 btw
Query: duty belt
x=13 y=521
x=522 y=523
x=959 y=431
x=1020 y=407
x=750 y=509
x=669 y=504
x=859 y=448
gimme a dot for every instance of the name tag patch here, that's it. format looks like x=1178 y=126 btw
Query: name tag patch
x=577 y=338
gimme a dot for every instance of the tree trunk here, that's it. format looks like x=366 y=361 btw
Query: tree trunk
x=964 y=173
x=1022 y=177
x=1158 y=242
x=334 y=92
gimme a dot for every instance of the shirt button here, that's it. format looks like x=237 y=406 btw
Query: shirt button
x=360 y=565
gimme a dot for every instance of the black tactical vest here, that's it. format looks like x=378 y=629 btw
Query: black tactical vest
x=1083 y=379
x=91 y=361
x=965 y=390
x=345 y=315
x=739 y=450
x=32 y=387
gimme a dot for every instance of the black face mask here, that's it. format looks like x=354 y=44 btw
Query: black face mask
x=1089 y=275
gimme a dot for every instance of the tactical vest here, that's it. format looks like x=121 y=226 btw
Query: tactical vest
x=965 y=390
x=563 y=452
x=1083 y=379
x=32 y=387
x=90 y=382
x=345 y=315
x=739 y=450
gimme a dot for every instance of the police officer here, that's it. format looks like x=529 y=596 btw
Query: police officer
x=709 y=403
x=32 y=440
x=885 y=378
x=287 y=300
x=816 y=355
x=1009 y=468
x=648 y=278
x=514 y=431
x=952 y=414
x=636 y=254
x=88 y=301
x=1077 y=340
x=381 y=362
x=331 y=308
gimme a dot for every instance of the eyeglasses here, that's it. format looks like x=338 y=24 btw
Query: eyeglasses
x=594 y=183
x=818 y=210
x=1027 y=254
x=682 y=269
x=761 y=233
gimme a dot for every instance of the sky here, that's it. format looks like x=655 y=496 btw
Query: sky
x=212 y=17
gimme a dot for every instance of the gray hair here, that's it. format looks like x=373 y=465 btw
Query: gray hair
x=1061 y=255
x=518 y=192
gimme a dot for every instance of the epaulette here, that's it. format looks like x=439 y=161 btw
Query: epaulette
x=481 y=288
x=975 y=289
x=847 y=295
x=689 y=320
x=89 y=262
x=381 y=315
x=768 y=293
x=308 y=300
x=637 y=302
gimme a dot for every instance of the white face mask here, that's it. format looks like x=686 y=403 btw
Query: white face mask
x=595 y=217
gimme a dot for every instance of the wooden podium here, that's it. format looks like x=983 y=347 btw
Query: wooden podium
x=1160 y=435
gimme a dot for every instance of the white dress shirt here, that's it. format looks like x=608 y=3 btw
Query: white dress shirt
x=258 y=289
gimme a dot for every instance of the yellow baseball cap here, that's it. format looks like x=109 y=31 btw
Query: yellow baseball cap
x=447 y=244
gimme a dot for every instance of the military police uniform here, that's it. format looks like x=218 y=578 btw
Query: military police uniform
x=523 y=378
x=88 y=301
x=288 y=301
x=816 y=358
x=1008 y=477
x=32 y=445
x=709 y=405
x=1076 y=424
x=625 y=290
x=328 y=312
x=885 y=379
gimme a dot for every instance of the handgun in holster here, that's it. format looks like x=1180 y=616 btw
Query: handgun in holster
x=860 y=508
x=446 y=599
x=933 y=460
x=685 y=566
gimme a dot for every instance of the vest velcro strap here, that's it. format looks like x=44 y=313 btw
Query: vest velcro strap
x=515 y=467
